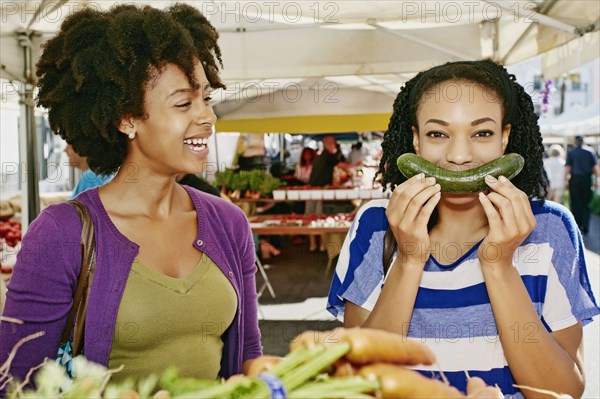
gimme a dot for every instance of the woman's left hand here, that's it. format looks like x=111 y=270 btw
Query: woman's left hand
x=510 y=218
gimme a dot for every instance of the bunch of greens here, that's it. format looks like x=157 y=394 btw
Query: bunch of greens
x=257 y=181
x=300 y=372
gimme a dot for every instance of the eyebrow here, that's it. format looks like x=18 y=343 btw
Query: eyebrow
x=438 y=121
x=206 y=88
x=176 y=91
x=482 y=120
x=474 y=123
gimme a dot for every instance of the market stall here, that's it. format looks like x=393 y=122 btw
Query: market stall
x=274 y=44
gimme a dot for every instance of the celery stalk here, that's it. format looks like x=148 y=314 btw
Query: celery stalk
x=294 y=359
x=303 y=373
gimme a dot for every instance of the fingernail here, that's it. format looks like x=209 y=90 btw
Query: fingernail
x=421 y=176
x=438 y=187
x=431 y=179
x=491 y=179
x=503 y=179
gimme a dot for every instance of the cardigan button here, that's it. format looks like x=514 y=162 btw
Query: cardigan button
x=231 y=274
x=200 y=242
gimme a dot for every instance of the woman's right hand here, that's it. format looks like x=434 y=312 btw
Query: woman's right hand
x=408 y=213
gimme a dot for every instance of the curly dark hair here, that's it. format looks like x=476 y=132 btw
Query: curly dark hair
x=98 y=67
x=525 y=137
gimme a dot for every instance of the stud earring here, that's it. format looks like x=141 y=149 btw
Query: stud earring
x=131 y=135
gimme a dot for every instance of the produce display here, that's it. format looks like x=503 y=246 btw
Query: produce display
x=312 y=220
x=10 y=232
x=461 y=182
x=342 y=363
x=6 y=210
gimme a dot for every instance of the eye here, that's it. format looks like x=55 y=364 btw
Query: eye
x=207 y=98
x=184 y=105
x=484 y=133
x=435 y=134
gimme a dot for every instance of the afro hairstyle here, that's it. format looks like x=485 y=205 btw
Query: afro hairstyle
x=96 y=69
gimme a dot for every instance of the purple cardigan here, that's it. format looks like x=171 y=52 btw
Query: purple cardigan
x=41 y=289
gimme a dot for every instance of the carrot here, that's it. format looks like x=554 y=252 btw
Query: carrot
x=261 y=364
x=236 y=378
x=162 y=394
x=312 y=338
x=344 y=368
x=474 y=385
x=486 y=393
x=477 y=389
x=373 y=346
x=399 y=383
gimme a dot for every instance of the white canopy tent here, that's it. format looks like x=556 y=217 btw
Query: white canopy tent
x=300 y=39
x=578 y=120
x=369 y=46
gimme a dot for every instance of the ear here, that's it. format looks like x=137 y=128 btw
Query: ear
x=415 y=139
x=505 y=136
x=127 y=125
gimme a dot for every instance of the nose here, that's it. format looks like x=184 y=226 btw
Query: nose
x=459 y=152
x=205 y=114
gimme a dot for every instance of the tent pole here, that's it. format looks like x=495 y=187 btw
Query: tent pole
x=216 y=150
x=31 y=192
x=282 y=148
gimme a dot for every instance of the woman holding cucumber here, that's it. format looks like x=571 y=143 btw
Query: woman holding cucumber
x=475 y=265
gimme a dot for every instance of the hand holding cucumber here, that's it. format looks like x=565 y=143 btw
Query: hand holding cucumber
x=507 y=208
x=510 y=219
x=408 y=212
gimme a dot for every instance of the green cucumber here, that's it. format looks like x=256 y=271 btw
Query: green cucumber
x=465 y=181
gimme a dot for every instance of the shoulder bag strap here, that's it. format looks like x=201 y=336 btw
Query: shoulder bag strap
x=76 y=319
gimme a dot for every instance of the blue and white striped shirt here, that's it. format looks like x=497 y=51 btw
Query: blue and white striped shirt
x=452 y=313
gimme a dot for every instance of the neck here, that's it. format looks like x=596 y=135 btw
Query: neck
x=470 y=217
x=83 y=165
x=141 y=191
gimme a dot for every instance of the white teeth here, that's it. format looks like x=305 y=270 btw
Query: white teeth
x=196 y=141
x=199 y=147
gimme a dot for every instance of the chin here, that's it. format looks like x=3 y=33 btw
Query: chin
x=460 y=199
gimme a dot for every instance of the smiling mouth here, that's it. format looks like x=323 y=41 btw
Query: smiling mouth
x=196 y=144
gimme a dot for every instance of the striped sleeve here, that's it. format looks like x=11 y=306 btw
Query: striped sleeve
x=569 y=297
x=359 y=274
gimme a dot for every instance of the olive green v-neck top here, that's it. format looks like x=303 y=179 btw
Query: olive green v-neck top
x=165 y=321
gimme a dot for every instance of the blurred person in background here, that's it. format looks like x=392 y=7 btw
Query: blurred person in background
x=304 y=165
x=555 y=171
x=357 y=154
x=581 y=164
x=321 y=175
x=88 y=178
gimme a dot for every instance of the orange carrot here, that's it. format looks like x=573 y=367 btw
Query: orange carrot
x=474 y=385
x=486 y=393
x=311 y=338
x=477 y=389
x=261 y=364
x=372 y=346
x=401 y=383
x=162 y=394
x=344 y=368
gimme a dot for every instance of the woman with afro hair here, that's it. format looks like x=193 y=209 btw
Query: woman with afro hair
x=495 y=282
x=129 y=88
